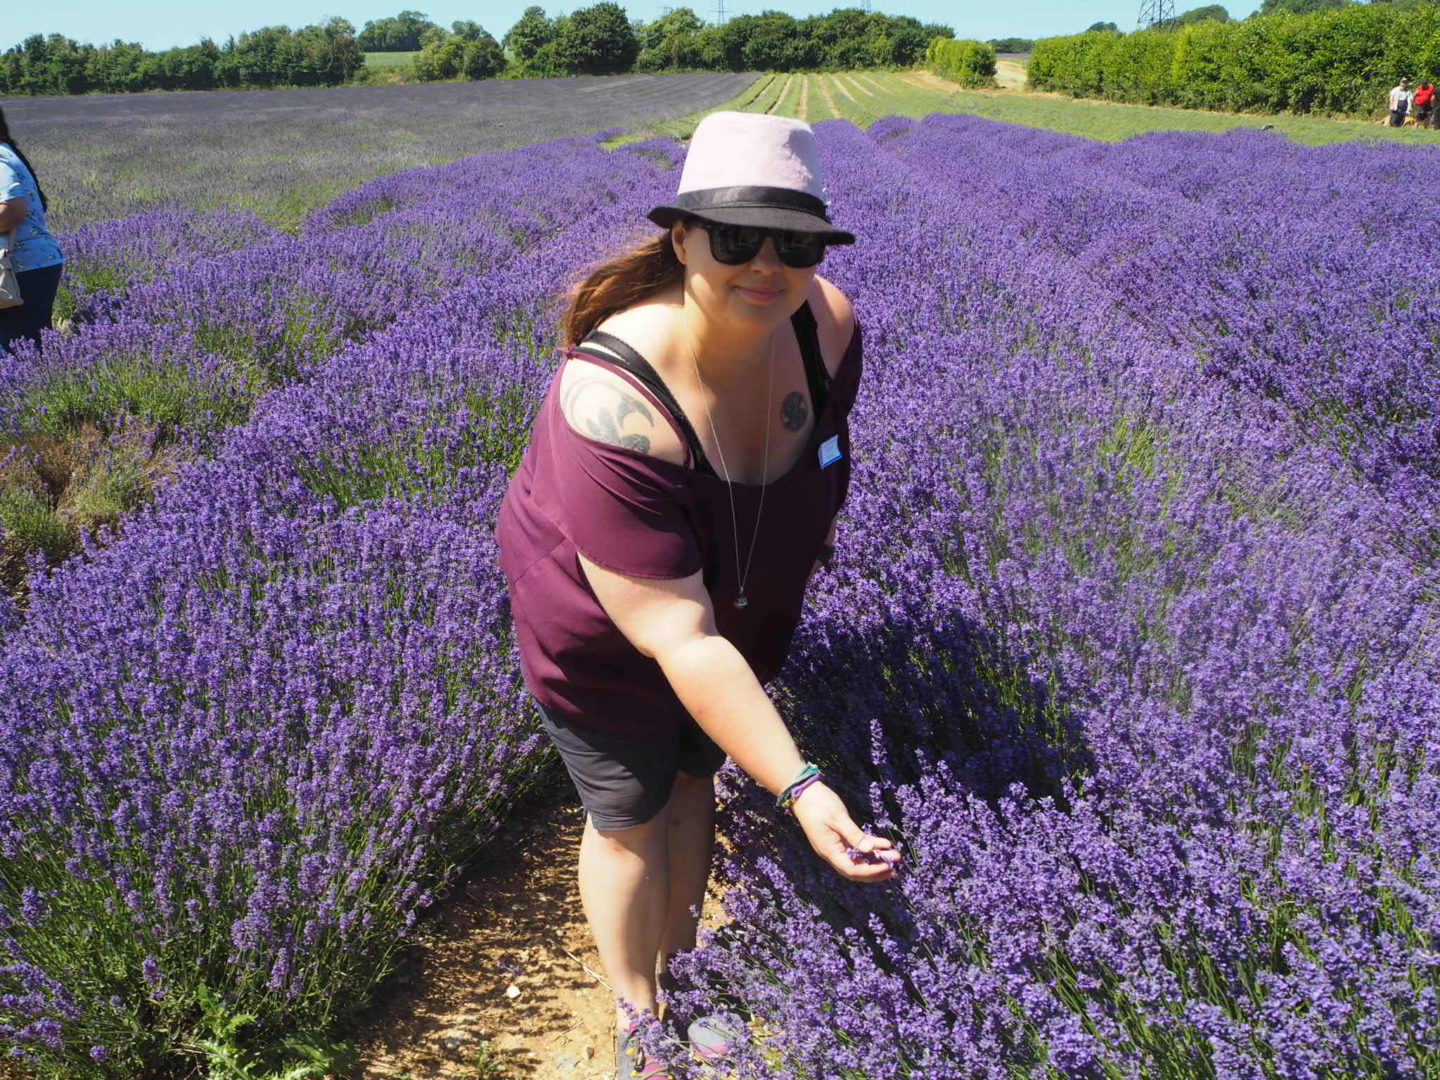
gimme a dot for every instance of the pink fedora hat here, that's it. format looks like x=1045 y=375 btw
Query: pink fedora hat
x=753 y=169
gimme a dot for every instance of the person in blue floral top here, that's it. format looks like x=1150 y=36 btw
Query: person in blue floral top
x=36 y=256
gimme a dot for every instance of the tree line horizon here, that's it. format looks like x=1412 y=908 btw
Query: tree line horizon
x=597 y=40
x=1322 y=57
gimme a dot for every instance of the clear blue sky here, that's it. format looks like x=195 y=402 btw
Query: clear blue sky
x=159 y=24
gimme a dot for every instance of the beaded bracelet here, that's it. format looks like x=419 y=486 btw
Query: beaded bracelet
x=807 y=776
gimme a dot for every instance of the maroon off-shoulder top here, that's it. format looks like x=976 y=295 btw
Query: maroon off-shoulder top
x=647 y=517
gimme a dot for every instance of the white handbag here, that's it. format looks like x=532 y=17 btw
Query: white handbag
x=9 y=283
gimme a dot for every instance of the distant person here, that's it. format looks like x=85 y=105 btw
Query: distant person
x=33 y=251
x=1423 y=102
x=1399 y=102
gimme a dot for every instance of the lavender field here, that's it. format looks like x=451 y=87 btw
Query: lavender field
x=284 y=153
x=1131 y=642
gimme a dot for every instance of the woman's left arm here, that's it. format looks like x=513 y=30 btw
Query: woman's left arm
x=672 y=622
x=12 y=213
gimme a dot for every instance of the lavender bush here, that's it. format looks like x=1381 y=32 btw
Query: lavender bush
x=182 y=325
x=248 y=799
x=258 y=308
x=1154 y=664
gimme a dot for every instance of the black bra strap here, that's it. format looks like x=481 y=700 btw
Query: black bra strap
x=817 y=376
x=807 y=334
x=627 y=358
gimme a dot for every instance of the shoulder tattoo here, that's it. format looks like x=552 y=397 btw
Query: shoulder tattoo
x=794 y=411
x=601 y=410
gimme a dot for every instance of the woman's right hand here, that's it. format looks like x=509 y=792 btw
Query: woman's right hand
x=833 y=834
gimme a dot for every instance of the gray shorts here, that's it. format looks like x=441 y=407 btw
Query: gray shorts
x=625 y=780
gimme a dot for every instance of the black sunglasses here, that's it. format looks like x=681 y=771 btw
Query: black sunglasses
x=734 y=245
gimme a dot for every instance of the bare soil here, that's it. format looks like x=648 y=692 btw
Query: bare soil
x=507 y=982
x=1010 y=74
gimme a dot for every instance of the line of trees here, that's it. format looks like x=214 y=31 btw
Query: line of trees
x=969 y=63
x=1200 y=14
x=596 y=40
x=1302 y=56
x=399 y=33
x=322 y=55
x=602 y=39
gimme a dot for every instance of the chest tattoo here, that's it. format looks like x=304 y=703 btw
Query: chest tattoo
x=794 y=411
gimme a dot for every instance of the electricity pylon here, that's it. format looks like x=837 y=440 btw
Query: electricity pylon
x=1155 y=13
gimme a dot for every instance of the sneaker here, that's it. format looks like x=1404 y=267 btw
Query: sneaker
x=714 y=1038
x=632 y=1063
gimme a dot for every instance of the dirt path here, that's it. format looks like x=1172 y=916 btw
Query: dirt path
x=506 y=973
x=803 y=110
x=508 y=980
x=1010 y=74
x=825 y=93
x=857 y=88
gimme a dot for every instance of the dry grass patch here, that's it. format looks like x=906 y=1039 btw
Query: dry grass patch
x=928 y=80
x=56 y=488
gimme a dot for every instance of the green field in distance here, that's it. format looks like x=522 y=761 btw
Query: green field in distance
x=864 y=96
x=379 y=61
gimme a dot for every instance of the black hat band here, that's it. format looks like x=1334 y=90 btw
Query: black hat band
x=737 y=198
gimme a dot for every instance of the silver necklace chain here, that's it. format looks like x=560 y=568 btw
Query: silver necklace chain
x=741 y=600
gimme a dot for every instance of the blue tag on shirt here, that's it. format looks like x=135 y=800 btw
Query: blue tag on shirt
x=830 y=451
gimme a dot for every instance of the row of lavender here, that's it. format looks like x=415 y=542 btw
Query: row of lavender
x=218 y=307
x=243 y=743
x=1153 y=673
x=1149 y=666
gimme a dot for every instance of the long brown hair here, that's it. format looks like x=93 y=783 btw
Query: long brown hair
x=618 y=283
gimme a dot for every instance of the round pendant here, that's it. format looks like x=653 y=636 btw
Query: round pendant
x=741 y=601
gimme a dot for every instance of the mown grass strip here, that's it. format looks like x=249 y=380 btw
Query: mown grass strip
x=864 y=97
x=789 y=103
x=768 y=98
x=1111 y=121
x=824 y=107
